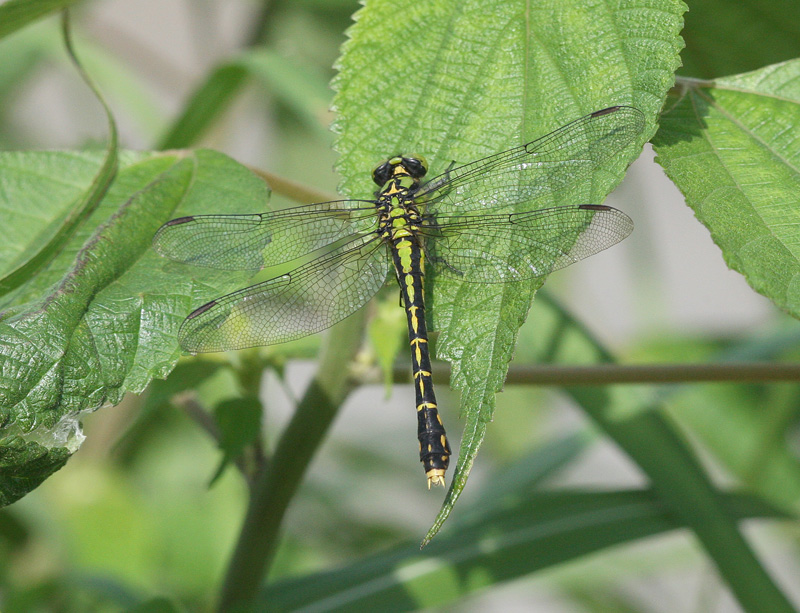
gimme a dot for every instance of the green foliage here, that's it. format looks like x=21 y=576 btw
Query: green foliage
x=45 y=248
x=89 y=313
x=98 y=322
x=388 y=334
x=730 y=146
x=634 y=418
x=25 y=464
x=522 y=532
x=238 y=420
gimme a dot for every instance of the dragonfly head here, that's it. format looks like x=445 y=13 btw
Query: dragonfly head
x=414 y=166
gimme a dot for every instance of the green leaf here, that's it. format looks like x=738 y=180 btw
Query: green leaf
x=102 y=319
x=748 y=428
x=47 y=247
x=464 y=80
x=518 y=536
x=725 y=38
x=25 y=464
x=731 y=148
x=239 y=422
x=387 y=333
x=16 y=14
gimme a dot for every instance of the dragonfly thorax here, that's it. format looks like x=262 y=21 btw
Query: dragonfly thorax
x=414 y=166
x=399 y=178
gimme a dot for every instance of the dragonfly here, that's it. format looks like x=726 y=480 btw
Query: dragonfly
x=494 y=220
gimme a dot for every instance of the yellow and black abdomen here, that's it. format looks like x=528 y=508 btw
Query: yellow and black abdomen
x=434 y=451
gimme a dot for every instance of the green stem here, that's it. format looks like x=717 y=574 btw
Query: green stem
x=612 y=374
x=274 y=488
x=298 y=192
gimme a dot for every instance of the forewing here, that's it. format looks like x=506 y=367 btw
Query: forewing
x=309 y=299
x=514 y=247
x=549 y=165
x=253 y=242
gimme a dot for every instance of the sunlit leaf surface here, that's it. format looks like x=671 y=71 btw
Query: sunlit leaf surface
x=733 y=149
x=101 y=320
x=484 y=78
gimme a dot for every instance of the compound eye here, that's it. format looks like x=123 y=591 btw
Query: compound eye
x=416 y=165
x=382 y=173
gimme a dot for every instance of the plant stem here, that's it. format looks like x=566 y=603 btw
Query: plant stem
x=293 y=190
x=275 y=487
x=598 y=374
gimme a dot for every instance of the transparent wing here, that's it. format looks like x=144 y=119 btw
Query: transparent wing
x=309 y=299
x=551 y=164
x=253 y=242
x=519 y=246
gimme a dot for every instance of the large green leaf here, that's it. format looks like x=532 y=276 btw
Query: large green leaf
x=731 y=147
x=521 y=533
x=458 y=81
x=102 y=318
